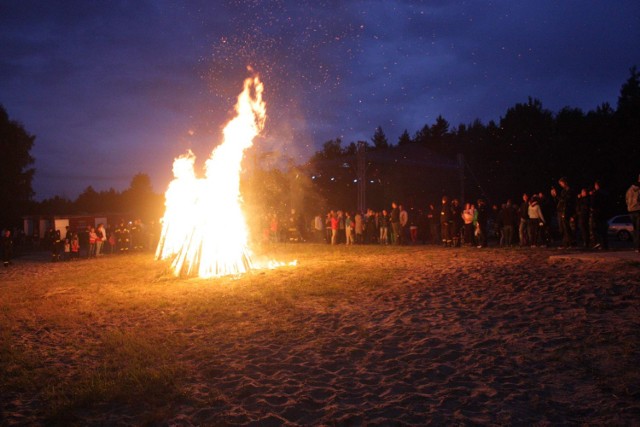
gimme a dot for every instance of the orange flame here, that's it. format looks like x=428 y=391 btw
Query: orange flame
x=203 y=229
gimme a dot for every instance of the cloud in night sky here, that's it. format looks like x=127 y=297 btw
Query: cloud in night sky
x=114 y=88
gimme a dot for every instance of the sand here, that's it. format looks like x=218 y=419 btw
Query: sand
x=457 y=336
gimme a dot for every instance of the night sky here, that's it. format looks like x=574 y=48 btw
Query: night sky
x=115 y=88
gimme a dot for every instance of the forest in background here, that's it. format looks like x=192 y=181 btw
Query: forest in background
x=526 y=150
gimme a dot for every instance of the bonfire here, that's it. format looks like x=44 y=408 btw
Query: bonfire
x=204 y=231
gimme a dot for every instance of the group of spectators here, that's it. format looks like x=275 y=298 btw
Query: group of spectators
x=86 y=242
x=539 y=220
x=561 y=216
x=94 y=242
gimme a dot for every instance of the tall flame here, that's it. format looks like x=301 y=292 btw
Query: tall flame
x=203 y=228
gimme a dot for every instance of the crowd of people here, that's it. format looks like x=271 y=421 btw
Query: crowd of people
x=94 y=242
x=88 y=242
x=539 y=220
x=560 y=217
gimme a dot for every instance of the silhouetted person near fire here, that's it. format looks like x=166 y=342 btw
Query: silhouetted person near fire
x=446 y=222
x=370 y=227
x=433 y=222
x=583 y=208
x=383 y=224
x=122 y=238
x=404 y=225
x=566 y=209
x=56 y=244
x=456 y=222
x=598 y=217
x=483 y=221
x=548 y=213
x=509 y=220
x=7 y=248
x=394 y=219
x=523 y=227
x=136 y=235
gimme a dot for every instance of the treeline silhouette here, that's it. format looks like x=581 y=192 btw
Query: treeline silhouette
x=527 y=150
x=139 y=201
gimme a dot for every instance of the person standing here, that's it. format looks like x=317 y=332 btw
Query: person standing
x=523 y=229
x=101 y=237
x=598 y=217
x=536 y=222
x=359 y=227
x=456 y=222
x=318 y=227
x=274 y=228
x=566 y=210
x=433 y=222
x=93 y=240
x=483 y=220
x=583 y=209
x=122 y=238
x=414 y=216
x=467 y=217
x=370 y=227
x=446 y=222
x=7 y=248
x=383 y=221
x=404 y=223
x=632 y=197
x=395 y=223
x=327 y=227
x=75 y=247
x=56 y=245
x=548 y=213
x=508 y=218
x=348 y=227
x=334 y=228
x=341 y=227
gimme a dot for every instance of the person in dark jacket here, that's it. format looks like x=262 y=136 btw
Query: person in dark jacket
x=56 y=244
x=483 y=219
x=394 y=219
x=434 y=224
x=565 y=208
x=583 y=209
x=445 y=222
x=548 y=212
x=598 y=217
x=508 y=218
x=456 y=222
x=7 y=248
x=523 y=228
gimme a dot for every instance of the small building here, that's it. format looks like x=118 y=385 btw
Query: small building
x=38 y=225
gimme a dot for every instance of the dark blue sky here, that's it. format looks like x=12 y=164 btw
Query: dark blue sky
x=114 y=88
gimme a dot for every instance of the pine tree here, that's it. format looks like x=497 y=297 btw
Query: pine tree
x=380 y=139
x=16 y=174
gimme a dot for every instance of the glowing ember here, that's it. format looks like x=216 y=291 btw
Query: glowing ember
x=204 y=230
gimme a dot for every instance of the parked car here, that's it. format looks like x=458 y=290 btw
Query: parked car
x=621 y=227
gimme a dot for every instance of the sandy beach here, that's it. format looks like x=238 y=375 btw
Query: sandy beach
x=398 y=336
